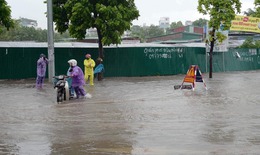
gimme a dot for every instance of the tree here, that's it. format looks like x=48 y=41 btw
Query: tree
x=176 y=24
x=110 y=18
x=146 y=32
x=254 y=12
x=138 y=31
x=62 y=37
x=154 y=31
x=221 y=12
x=250 y=43
x=257 y=6
x=22 y=33
x=250 y=12
x=5 y=15
x=200 y=22
x=173 y=26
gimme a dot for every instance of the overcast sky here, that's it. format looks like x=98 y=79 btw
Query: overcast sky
x=150 y=10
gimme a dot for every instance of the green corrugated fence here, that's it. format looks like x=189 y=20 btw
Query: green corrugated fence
x=20 y=63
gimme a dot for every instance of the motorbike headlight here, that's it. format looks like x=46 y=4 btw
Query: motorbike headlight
x=61 y=77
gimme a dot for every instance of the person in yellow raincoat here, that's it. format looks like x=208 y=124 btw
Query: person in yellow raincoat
x=89 y=65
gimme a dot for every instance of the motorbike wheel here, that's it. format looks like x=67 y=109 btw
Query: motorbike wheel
x=59 y=97
x=64 y=94
x=66 y=91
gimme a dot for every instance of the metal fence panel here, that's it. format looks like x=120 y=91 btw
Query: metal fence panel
x=19 y=63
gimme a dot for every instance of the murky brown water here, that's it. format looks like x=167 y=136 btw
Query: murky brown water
x=137 y=116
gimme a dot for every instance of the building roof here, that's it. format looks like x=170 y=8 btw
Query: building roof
x=75 y=45
x=232 y=44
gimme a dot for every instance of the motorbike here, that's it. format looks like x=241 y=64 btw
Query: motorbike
x=62 y=88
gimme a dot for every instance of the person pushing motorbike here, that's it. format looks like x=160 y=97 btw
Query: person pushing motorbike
x=78 y=80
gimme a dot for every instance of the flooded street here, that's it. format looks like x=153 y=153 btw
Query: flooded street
x=134 y=116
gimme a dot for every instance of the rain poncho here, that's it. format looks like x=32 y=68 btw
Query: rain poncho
x=89 y=73
x=41 y=67
x=77 y=77
x=69 y=79
x=89 y=65
x=99 y=69
x=41 y=70
x=78 y=81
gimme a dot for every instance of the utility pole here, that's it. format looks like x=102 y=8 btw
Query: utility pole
x=51 y=67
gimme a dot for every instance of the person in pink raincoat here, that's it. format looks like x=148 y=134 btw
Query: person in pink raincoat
x=41 y=71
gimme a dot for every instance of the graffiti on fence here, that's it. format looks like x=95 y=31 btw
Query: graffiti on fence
x=162 y=53
x=246 y=56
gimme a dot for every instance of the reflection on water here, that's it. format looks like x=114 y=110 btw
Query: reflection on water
x=142 y=115
x=7 y=148
x=89 y=129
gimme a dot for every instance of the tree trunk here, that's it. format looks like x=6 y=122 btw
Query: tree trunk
x=100 y=76
x=211 y=53
x=100 y=45
x=100 y=53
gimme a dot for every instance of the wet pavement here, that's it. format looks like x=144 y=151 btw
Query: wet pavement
x=134 y=116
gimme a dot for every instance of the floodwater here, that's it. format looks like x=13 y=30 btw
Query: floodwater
x=134 y=116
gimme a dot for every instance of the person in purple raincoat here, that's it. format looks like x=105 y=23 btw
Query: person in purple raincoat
x=41 y=71
x=78 y=81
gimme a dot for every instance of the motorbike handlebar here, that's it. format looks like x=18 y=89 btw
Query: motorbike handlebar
x=61 y=76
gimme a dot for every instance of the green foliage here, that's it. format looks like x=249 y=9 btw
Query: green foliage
x=257 y=43
x=221 y=12
x=255 y=12
x=146 y=32
x=21 y=33
x=111 y=18
x=200 y=22
x=220 y=37
x=63 y=37
x=5 y=15
x=140 y=32
x=250 y=12
x=250 y=43
x=154 y=31
x=257 y=6
x=176 y=24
